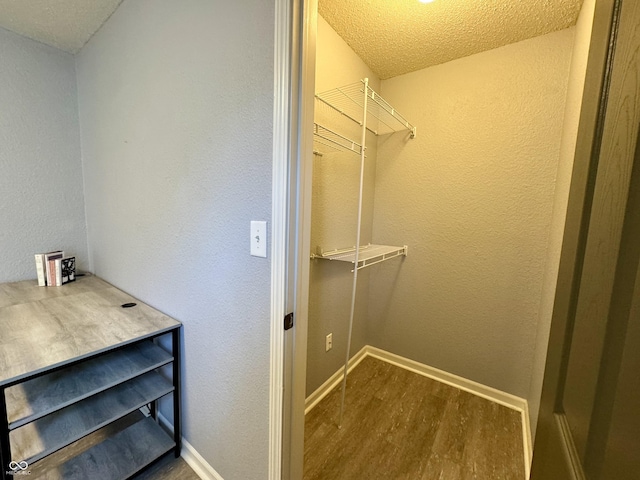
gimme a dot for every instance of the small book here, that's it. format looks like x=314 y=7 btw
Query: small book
x=58 y=271
x=50 y=266
x=67 y=270
x=40 y=270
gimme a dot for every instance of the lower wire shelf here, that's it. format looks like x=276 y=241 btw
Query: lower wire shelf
x=368 y=254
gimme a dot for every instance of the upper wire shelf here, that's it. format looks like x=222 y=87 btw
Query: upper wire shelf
x=324 y=137
x=349 y=101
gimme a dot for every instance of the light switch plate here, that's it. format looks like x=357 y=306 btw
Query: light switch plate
x=258 y=238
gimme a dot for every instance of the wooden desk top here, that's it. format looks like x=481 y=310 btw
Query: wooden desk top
x=45 y=327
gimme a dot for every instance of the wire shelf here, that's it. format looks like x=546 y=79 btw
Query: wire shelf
x=349 y=101
x=360 y=104
x=368 y=254
x=325 y=138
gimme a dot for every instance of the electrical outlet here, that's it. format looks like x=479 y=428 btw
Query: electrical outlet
x=329 y=343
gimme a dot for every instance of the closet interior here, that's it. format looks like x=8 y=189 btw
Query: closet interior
x=432 y=208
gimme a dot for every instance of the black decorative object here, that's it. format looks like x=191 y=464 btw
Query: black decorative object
x=68 y=270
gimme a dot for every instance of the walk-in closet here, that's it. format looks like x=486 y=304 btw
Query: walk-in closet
x=439 y=176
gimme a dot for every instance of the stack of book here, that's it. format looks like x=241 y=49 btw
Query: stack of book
x=54 y=269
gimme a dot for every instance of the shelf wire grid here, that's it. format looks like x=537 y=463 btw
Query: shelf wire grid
x=349 y=100
x=369 y=254
x=333 y=140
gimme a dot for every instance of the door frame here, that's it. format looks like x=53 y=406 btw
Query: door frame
x=294 y=88
x=553 y=443
x=304 y=52
x=280 y=213
x=300 y=46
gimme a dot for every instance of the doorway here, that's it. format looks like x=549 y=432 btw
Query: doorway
x=471 y=285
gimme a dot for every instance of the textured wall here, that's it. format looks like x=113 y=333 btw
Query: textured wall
x=41 y=198
x=176 y=108
x=472 y=196
x=336 y=177
x=567 y=151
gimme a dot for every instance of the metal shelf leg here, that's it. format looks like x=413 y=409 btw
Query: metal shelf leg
x=177 y=393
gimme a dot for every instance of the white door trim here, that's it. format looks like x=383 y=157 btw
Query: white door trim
x=303 y=83
x=279 y=227
x=294 y=85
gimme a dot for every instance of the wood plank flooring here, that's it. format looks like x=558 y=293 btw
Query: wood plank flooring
x=402 y=425
x=168 y=468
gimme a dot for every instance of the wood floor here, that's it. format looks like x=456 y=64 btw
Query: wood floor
x=168 y=468
x=401 y=425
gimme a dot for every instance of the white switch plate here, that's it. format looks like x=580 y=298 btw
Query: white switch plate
x=329 y=342
x=259 y=239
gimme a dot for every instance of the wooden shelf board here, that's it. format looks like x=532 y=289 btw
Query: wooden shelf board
x=44 y=328
x=116 y=458
x=48 y=434
x=41 y=396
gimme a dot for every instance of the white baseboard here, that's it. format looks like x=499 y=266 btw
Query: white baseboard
x=528 y=441
x=489 y=393
x=462 y=383
x=324 y=389
x=198 y=464
x=190 y=455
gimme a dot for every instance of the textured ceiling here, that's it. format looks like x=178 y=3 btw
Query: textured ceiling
x=64 y=24
x=394 y=37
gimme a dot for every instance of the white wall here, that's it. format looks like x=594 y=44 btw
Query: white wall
x=41 y=198
x=565 y=166
x=472 y=196
x=176 y=107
